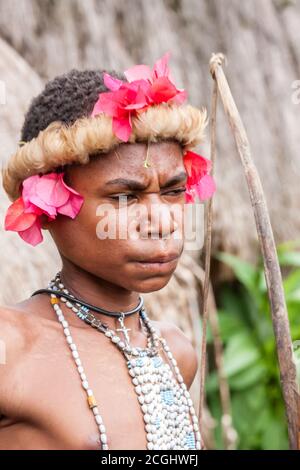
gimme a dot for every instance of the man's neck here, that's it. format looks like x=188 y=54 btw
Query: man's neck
x=100 y=293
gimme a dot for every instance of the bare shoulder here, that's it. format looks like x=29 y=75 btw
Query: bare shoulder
x=12 y=346
x=12 y=328
x=19 y=334
x=18 y=331
x=181 y=348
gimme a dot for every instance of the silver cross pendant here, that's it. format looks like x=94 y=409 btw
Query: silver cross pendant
x=124 y=329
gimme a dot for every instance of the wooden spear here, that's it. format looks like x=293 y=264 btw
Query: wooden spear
x=271 y=265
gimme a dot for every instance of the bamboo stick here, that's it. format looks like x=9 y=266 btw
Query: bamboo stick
x=208 y=231
x=273 y=277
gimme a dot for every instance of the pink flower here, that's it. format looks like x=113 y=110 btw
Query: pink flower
x=47 y=194
x=26 y=224
x=144 y=88
x=199 y=182
x=162 y=87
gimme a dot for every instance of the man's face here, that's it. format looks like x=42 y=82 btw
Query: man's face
x=145 y=226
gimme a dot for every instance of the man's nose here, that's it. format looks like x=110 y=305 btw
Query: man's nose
x=159 y=222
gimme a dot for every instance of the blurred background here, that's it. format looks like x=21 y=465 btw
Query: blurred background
x=40 y=39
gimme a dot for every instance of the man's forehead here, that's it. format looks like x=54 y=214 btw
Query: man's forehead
x=144 y=164
x=127 y=161
x=159 y=156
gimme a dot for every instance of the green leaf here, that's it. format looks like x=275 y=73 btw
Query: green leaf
x=249 y=377
x=261 y=284
x=240 y=353
x=245 y=272
x=291 y=258
x=293 y=296
x=230 y=323
x=230 y=301
x=296 y=359
x=274 y=435
x=211 y=383
x=249 y=350
x=292 y=281
x=288 y=245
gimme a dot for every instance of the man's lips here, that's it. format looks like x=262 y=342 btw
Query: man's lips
x=164 y=258
x=158 y=264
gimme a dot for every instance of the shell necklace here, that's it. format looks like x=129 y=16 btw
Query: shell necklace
x=169 y=415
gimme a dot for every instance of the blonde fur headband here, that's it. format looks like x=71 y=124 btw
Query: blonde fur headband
x=60 y=144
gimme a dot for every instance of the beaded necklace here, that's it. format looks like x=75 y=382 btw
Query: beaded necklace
x=169 y=415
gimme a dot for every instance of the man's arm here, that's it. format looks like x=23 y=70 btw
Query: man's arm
x=182 y=350
x=12 y=344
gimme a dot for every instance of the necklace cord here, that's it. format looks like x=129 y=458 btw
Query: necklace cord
x=90 y=306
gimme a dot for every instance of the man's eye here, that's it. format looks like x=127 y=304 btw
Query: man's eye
x=176 y=192
x=129 y=197
x=123 y=197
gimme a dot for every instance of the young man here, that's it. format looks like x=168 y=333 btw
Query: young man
x=88 y=167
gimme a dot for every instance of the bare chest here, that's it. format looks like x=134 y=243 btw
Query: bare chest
x=52 y=403
x=58 y=402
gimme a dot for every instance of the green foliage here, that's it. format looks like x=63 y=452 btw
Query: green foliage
x=250 y=359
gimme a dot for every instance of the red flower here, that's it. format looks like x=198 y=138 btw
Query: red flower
x=199 y=182
x=47 y=194
x=144 y=88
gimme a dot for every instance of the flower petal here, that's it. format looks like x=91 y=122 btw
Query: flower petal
x=196 y=166
x=199 y=182
x=33 y=235
x=139 y=102
x=180 y=97
x=111 y=83
x=33 y=209
x=72 y=206
x=162 y=90
x=28 y=188
x=189 y=196
x=122 y=128
x=205 y=187
x=16 y=219
x=161 y=67
x=107 y=103
x=35 y=195
x=138 y=72
x=72 y=190
x=74 y=202
x=50 y=190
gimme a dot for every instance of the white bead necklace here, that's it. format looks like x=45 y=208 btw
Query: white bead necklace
x=169 y=415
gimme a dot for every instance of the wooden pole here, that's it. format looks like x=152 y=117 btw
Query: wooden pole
x=207 y=248
x=272 y=271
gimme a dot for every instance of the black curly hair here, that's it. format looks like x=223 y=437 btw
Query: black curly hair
x=65 y=98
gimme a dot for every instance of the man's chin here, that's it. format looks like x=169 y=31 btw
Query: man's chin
x=151 y=284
